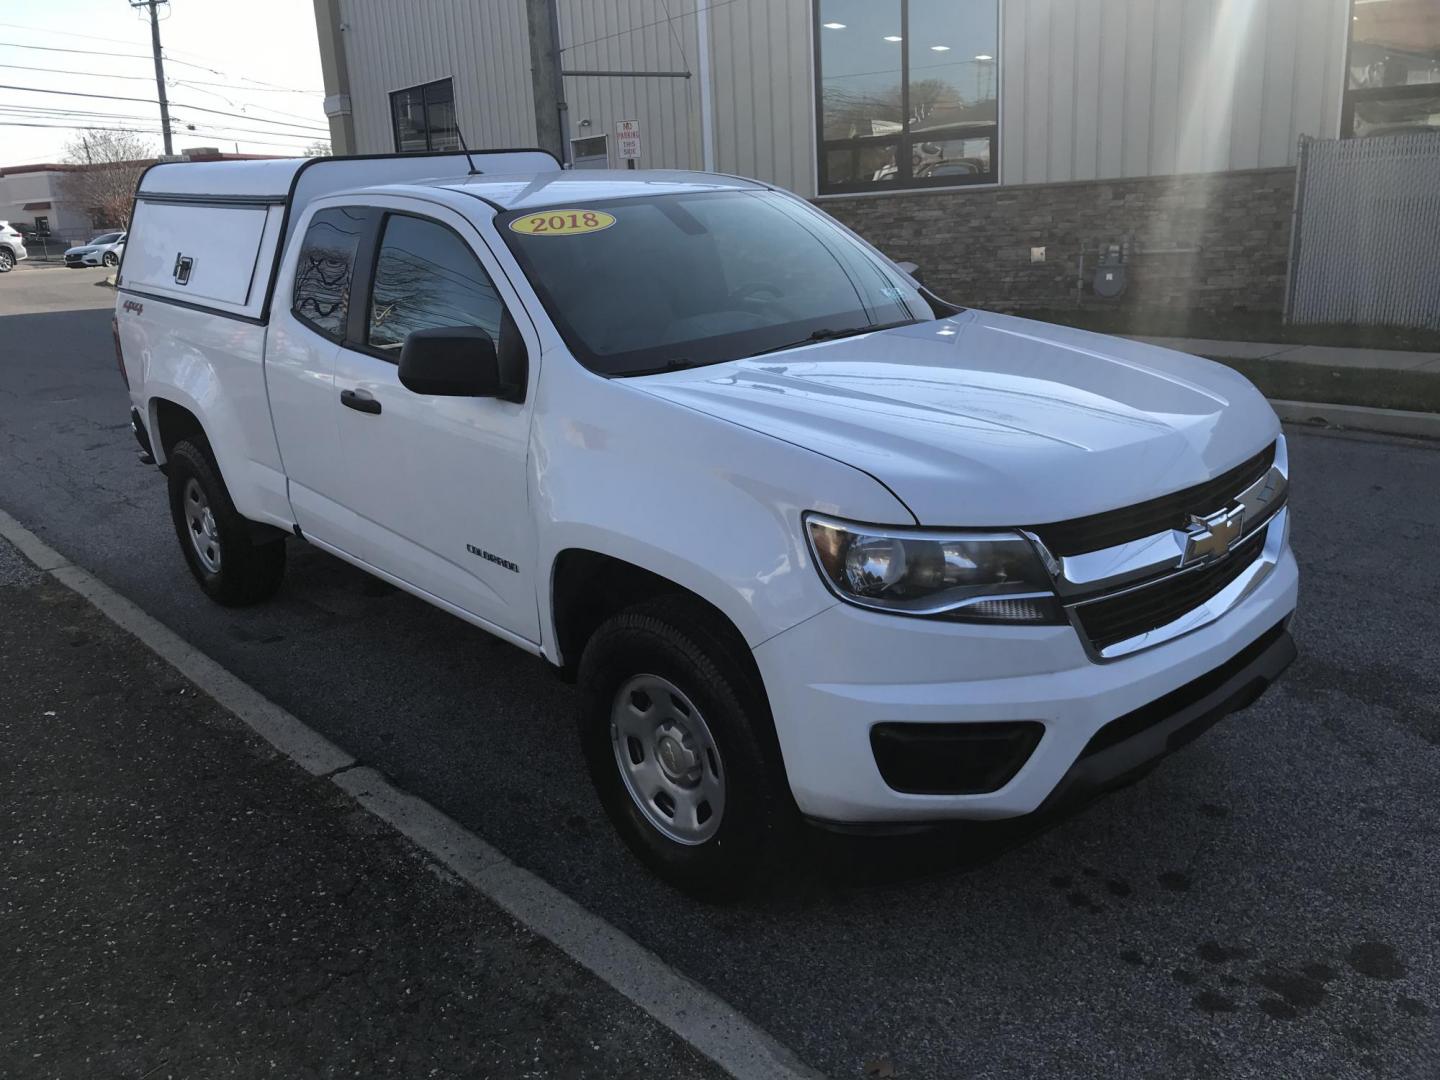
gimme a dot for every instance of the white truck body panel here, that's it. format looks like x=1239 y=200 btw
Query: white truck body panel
x=231 y=249
x=701 y=477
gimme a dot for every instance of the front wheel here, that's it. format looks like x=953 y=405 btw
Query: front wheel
x=232 y=566
x=681 y=747
x=111 y=259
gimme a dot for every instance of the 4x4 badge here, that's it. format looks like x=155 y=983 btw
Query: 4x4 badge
x=1210 y=537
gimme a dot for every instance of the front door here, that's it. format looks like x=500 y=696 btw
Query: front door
x=437 y=484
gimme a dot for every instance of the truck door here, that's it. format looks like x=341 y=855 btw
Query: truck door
x=436 y=485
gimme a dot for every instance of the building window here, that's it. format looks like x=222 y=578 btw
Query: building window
x=424 y=118
x=907 y=93
x=42 y=225
x=1392 y=67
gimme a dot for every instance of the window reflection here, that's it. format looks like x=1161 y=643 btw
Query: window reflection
x=909 y=92
x=427 y=277
x=1393 y=82
x=327 y=260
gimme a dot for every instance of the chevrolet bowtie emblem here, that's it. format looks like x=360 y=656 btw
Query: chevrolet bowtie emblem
x=1210 y=537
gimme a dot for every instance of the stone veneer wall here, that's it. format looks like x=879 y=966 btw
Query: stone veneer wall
x=1225 y=239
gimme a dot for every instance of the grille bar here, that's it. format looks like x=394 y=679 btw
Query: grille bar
x=1126 y=615
x=1095 y=531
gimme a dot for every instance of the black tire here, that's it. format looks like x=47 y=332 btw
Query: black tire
x=682 y=641
x=7 y=261
x=110 y=259
x=247 y=570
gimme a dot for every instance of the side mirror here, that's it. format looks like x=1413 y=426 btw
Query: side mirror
x=450 y=361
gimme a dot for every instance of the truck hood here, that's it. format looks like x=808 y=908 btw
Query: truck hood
x=991 y=420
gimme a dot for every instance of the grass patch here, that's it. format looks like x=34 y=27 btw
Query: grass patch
x=1416 y=391
x=1236 y=326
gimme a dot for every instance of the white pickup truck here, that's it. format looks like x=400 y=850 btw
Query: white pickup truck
x=815 y=544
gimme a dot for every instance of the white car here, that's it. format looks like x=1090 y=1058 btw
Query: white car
x=815 y=543
x=104 y=250
x=12 y=247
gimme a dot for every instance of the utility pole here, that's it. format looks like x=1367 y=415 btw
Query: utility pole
x=546 y=80
x=159 y=69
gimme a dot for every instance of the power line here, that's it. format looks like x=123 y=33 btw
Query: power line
x=87 y=74
x=265 y=88
x=89 y=118
x=142 y=56
x=243 y=106
x=218 y=135
x=178 y=105
x=646 y=26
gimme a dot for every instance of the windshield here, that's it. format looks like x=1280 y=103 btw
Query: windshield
x=108 y=238
x=642 y=285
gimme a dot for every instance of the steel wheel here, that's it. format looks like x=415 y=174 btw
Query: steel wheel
x=668 y=759
x=204 y=533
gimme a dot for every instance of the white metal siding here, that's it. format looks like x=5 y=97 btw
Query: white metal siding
x=1108 y=88
x=634 y=35
x=1089 y=88
x=483 y=45
x=764 y=91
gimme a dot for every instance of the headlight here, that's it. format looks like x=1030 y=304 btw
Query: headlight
x=982 y=576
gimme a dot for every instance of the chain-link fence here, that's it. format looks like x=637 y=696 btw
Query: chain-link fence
x=1366 y=243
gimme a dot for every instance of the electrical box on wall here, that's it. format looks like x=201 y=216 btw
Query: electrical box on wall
x=1110 y=279
x=1037 y=254
x=590 y=152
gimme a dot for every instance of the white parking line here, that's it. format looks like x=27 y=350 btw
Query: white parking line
x=694 y=1014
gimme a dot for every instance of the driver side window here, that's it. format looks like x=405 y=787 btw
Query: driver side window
x=426 y=277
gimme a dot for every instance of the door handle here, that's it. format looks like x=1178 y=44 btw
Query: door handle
x=360 y=401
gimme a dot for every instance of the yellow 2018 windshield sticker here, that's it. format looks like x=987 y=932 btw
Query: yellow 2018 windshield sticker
x=562 y=222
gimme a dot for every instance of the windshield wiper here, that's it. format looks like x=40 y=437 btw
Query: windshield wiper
x=826 y=334
x=678 y=364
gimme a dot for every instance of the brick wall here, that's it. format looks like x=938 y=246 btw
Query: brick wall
x=1225 y=239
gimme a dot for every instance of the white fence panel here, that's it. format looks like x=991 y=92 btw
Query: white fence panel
x=1366 y=243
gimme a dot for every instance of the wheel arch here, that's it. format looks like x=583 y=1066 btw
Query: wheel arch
x=588 y=586
x=171 y=421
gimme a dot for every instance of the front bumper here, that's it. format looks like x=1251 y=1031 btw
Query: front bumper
x=833 y=678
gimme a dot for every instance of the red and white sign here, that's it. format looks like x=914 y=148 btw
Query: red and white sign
x=627 y=135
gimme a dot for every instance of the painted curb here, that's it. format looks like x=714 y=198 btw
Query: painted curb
x=1423 y=425
x=701 y=1019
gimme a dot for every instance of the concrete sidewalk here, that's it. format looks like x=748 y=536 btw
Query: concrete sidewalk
x=177 y=900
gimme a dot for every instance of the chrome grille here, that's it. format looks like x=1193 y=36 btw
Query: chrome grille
x=1146 y=588
x=1113 y=619
x=1095 y=531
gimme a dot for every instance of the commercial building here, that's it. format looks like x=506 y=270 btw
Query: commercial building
x=36 y=197
x=1012 y=148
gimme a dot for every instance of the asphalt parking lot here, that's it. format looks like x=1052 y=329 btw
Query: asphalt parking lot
x=1264 y=905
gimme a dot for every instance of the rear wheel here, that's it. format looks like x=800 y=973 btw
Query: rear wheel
x=681 y=748
x=220 y=547
x=7 y=260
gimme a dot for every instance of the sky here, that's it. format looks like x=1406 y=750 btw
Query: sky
x=256 y=59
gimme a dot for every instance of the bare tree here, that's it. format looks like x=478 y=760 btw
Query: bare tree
x=110 y=166
x=318 y=148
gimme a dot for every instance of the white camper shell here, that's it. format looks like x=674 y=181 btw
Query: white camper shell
x=210 y=234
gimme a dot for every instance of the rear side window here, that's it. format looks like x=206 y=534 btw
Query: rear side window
x=427 y=277
x=327 y=264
